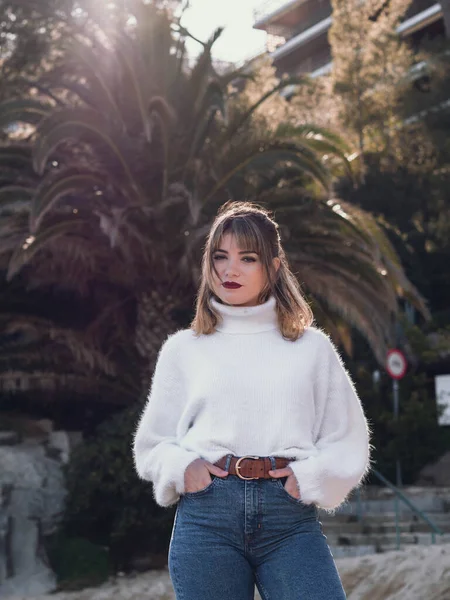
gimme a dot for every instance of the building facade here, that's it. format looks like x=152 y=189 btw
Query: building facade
x=298 y=31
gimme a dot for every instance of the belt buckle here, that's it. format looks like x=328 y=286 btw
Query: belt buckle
x=237 y=467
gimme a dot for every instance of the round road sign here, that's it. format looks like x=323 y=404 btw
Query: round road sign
x=396 y=364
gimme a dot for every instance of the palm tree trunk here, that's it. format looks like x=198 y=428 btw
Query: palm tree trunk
x=154 y=324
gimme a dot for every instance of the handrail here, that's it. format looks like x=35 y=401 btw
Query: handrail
x=400 y=495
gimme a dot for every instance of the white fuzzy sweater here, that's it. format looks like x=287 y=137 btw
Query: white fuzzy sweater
x=246 y=390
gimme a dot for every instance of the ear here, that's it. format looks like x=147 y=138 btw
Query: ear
x=276 y=262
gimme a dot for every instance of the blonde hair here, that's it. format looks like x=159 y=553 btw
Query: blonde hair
x=254 y=229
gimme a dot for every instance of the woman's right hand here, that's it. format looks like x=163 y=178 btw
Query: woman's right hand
x=197 y=475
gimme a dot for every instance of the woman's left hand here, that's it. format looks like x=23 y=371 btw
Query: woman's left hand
x=291 y=482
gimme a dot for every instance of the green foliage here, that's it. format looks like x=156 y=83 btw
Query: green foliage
x=409 y=197
x=107 y=503
x=370 y=67
x=77 y=562
x=416 y=438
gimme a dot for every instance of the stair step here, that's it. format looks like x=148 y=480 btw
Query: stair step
x=389 y=517
x=385 y=538
x=376 y=531
x=380 y=528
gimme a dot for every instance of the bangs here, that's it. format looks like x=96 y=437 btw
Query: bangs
x=247 y=234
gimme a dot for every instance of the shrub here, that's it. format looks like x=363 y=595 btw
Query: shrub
x=77 y=562
x=107 y=504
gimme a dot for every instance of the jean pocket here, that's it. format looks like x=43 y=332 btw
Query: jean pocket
x=204 y=490
x=280 y=484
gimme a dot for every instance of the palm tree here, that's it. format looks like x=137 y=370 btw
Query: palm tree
x=41 y=351
x=136 y=163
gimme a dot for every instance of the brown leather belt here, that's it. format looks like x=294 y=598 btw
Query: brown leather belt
x=252 y=467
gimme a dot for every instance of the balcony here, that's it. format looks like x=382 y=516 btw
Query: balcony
x=287 y=19
x=304 y=59
x=295 y=17
x=270 y=8
x=305 y=16
x=304 y=39
x=418 y=6
x=421 y=15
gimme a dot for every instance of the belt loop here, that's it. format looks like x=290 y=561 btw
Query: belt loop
x=273 y=463
x=227 y=462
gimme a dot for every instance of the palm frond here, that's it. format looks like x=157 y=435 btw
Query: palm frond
x=67 y=181
x=22 y=111
x=290 y=154
x=354 y=306
x=213 y=103
x=31 y=245
x=82 y=124
x=15 y=157
x=14 y=198
x=134 y=74
x=109 y=391
x=386 y=256
x=98 y=92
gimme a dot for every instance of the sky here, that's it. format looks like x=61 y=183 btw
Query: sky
x=239 y=41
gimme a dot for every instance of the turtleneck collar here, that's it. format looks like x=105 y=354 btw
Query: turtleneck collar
x=246 y=319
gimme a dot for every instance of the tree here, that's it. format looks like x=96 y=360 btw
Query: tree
x=370 y=62
x=31 y=35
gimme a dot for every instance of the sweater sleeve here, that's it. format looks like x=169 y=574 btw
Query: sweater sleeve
x=341 y=436
x=158 y=457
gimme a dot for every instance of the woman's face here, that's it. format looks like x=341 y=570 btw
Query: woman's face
x=238 y=266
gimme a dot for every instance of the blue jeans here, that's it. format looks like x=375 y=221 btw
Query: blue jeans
x=235 y=534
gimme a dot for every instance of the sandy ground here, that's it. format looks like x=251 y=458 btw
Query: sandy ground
x=415 y=573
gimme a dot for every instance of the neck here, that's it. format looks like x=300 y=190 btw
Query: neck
x=246 y=319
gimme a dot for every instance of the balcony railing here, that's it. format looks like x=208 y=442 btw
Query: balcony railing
x=314 y=62
x=267 y=8
x=417 y=6
x=270 y=6
x=322 y=12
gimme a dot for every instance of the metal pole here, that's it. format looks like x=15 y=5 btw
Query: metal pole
x=398 y=472
x=397 y=521
x=398 y=469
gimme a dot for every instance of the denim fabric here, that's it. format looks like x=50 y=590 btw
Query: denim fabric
x=235 y=534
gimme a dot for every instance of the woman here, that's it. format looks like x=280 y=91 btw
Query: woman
x=252 y=423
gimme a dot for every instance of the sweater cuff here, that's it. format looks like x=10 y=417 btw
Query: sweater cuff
x=170 y=485
x=308 y=480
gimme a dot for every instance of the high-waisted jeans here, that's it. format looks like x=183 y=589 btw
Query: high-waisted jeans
x=235 y=534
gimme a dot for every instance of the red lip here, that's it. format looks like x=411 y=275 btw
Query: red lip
x=231 y=284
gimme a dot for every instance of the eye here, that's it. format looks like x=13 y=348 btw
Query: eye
x=218 y=256
x=249 y=259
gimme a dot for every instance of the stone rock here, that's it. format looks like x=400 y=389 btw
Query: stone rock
x=32 y=498
x=437 y=474
x=59 y=441
x=9 y=438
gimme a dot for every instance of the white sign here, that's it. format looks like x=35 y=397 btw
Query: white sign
x=396 y=364
x=442 y=385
